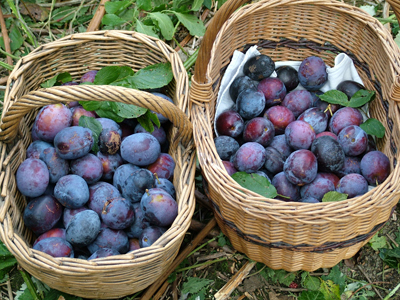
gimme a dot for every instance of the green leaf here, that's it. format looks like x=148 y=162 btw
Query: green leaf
x=334 y=196
x=378 y=242
x=110 y=74
x=196 y=5
x=164 y=23
x=255 y=183
x=153 y=76
x=220 y=3
x=57 y=80
x=146 y=123
x=207 y=3
x=127 y=111
x=335 y=97
x=337 y=277
x=106 y=112
x=389 y=257
x=112 y=20
x=95 y=127
x=311 y=295
x=16 y=38
x=312 y=283
x=153 y=117
x=194 y=285
x=90 y=105
x=171 y=277
x=56 y=295
x=330 y=290
x=117 y=6
x=24 y=294
x=4 y=252
x=192 y=23
x=285 y=277
x=221 y=241
x=144 y=4
x=361 y=97
x=370 y=9
x=140 y=27
x=373 y=127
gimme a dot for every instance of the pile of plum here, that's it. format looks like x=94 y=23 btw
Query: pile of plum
x=304 y=146
x=89 y=205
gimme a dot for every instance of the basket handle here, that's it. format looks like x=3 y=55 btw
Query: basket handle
x=63 y=94
x=213 y=28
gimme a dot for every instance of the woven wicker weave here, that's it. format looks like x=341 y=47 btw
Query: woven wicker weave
x=114 y=276
x=292 y=235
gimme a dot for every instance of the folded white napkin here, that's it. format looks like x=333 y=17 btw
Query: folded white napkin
x=344 y=69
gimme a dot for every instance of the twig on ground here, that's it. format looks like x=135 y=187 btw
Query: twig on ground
x=231 y=285
x=175 y=289
x=6 y=38
x=369 y=280
x=287 y=289
x=155 y=286
x=9 y=289
x=161 y=291
x=211 y=256
x=202 y=199
x=96 y=20
x=222 y=276
x=393 y=241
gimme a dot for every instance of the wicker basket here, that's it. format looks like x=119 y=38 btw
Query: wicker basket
x=114 y=276
x=292 y=235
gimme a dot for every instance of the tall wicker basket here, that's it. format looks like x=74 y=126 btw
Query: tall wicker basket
x=291 y=235
x=114 y=276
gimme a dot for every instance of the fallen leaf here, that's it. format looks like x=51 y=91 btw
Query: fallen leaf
x=34 y=10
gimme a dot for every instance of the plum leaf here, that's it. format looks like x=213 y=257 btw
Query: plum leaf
x=255 y=183
x=335 y=97
x=164 y=23
x=140 y=27
x=361 y=97
x=153 y=76
x=333 y=196
x=57 y=80
x=373 y=127
x=95 y=127
x=192 y=23
x=112 y=20
x=127 y=110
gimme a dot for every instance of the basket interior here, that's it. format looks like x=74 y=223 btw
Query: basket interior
x=293 y=31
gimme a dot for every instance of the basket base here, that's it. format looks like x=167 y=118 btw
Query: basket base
x=287 y=260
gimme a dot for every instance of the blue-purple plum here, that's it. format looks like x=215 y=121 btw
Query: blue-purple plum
x=312 y=73
x=158 y=132
x=298 y=101
x=301 y=167
x=42 y=213
x=78 y=112
x=239 y=84
x=103 y=252
x=122 y=173
x=352 y=164
x=54 y=232
x=135 y=185
x=110 y=163
x=89 y=76
x=141 y=149
x=89 y=167
x=140 y=223
x=274 y=161
x=299 y=135
x=72 y=191
x=166 y=185
x=83 y=228
x=353 y=185
x=274 y=90
x=280 y=116
x=280 y=144
x=36 y=149
x=99 y=194
x=229 y=123
x=55 y=246
x=110 y=238
x=375 y=167
x=118 y=213
x=259 y=67
x=68 y=214
x=73 y=142
x=259 y=130
x=109 y=141
x=57 y=166
x=32 y=177
x=226 y=146
x=229 y=167
x=250 y=157
x=316 y=118
x=289 y=77
x=344 y=117
x=164 y=166
x=250 y=104
x=286 y=190
x=50 y=120
x=329 y=153
x=353 y=140
x=317 y=188
x=150 y=235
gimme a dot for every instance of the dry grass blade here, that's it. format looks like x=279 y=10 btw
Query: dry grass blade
x=6 y=38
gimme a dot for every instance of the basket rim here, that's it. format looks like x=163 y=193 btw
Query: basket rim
x=252 y=202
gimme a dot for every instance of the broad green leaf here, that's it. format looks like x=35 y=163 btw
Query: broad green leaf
x=171 y=277
x=164 y=23
x=284 y=277
x=112 y=20
x=4 y=252
x=221 y=241
x=333 y=196
x=57 y=295
x=16 y=38
x=192 y=23
x=395 y=252
x=151 y=77
x=373 y=127
x=312 y=283
x=90 y=105
x=110 y=74
x=153 y=117
x=140 y=27
x=337 y=277
x=377 y=242
x=386 y=255
x=196 y=5
x=117 y=6
x=106 y=112
x=255 y=183
x=24 y=293
x=127 y=111
x=361 y=97
x=207 y=3
x=398 y=236
x=95 y=127
x=57 y=80
x=144 y=4
x=311 y=295
x=194 y=285
x=330 y=290
x=370 y=9
x=146 y=123
x=335 y=97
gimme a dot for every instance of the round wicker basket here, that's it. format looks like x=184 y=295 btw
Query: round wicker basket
x=114 y=276
x=292 y=235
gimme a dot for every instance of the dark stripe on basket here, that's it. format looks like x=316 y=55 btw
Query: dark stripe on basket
x=327 y=247
x=304 y=43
